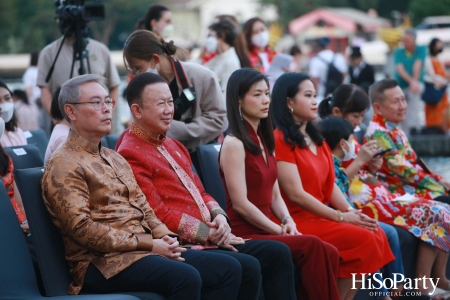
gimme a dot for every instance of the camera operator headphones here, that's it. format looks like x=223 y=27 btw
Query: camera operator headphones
x=187 y=97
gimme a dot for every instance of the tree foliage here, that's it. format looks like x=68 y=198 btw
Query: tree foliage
x=29 y=25
x=425 y=8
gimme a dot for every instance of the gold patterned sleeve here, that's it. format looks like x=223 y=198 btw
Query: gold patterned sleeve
x=159 y=229
x=66 y=195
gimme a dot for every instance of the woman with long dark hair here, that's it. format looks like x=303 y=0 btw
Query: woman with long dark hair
x=13 y=135
x=254 y=203
x=158 y=19
x=306 y=176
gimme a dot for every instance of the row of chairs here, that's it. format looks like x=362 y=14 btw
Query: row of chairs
x=17 y=276
x=209 y=166
x=48 y=242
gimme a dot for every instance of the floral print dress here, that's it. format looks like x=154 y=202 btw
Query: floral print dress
x=376 y=195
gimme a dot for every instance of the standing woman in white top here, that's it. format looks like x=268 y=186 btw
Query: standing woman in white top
x=29 y=79
x=257 y=37
x=13 y=135
x=221 y=38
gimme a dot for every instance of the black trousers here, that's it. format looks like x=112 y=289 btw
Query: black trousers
x=444 y=199
x=205 y=274
x=277 y=269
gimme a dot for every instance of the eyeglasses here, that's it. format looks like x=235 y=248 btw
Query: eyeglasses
x=98 y=105
x=138 y=71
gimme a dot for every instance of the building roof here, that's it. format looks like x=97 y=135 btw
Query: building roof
x=347 y=19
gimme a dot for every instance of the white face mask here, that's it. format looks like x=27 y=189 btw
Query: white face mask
x=154 y=71
x=351 y=152
x=2 y=127
x=261 y=39
x=167 y=31
x=7 y=111
x=211 y=44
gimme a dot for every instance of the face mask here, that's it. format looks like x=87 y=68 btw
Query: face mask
x=211 y=44
x=7 y=111
x=349 y=154
x=2 y=127
x=154 y=71
x=167 y=31
x=261 y=39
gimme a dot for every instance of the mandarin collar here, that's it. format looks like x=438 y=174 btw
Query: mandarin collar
x=142 y=134
x=83 y=143
x=382 y=121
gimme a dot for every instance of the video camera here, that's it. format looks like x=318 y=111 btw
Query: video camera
x=72 y=17
x=71 y=14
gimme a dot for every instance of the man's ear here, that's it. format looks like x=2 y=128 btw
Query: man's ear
x=69 y=109
x=336 y=112
x=377 y=108
x=136 y=111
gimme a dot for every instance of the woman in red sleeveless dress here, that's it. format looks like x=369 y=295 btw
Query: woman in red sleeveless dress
x=249 y=173
x=306 y=177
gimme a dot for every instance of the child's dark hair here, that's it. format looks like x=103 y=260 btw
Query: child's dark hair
x=334 y=129
x=349 y=98
x=21 y=95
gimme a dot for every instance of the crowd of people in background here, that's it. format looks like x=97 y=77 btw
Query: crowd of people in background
x=320 y=148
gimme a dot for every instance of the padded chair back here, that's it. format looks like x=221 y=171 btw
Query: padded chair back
x=46 y=238
x=17 y=277
x=24 y=157
x=112 y=140
x=38 y=137
x=208 y=157
x=49 y=245
x=105 y=142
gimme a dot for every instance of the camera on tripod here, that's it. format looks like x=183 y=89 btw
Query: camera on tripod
x=70 y=13
x=72 y=17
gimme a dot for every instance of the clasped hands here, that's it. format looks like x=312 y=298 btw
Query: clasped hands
x=220 y=234
x=356 y=217
x=289 y=228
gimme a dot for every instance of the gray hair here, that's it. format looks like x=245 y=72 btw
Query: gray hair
x=70 y=91
x=411 y=32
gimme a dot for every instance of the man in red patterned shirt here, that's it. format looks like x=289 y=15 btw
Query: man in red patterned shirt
x=162 y=168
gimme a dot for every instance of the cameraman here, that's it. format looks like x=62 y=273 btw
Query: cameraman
x=99 y=59
x=200 y=113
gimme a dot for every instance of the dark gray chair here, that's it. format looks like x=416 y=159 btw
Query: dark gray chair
x=105 y=142
x=17 y=275
x=24 y=157
x=208 y=158
x=47 y=240
x=112 y=140
x=38 y=137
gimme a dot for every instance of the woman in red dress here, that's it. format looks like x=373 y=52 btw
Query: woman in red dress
x=306 y=176
x=249 y=173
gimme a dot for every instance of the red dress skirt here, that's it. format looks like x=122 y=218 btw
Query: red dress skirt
x=361 y=250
